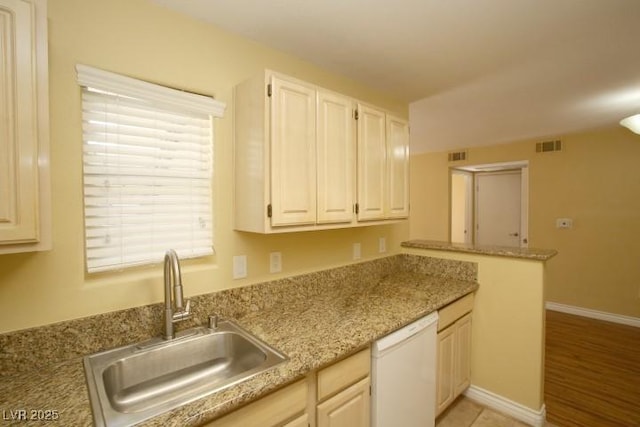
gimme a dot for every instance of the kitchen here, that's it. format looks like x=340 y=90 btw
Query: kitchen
x=143 y=40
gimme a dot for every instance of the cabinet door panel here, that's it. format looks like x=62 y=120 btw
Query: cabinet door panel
x=271 y=410
x=462 y=367
x=301 y=421
x=372 y=154
x=349 y=408
x=336 y=158
x=293 y=156
x=398 y=167
x=18 y=125
x=446 y=351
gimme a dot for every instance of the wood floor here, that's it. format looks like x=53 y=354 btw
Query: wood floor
x=592 y=372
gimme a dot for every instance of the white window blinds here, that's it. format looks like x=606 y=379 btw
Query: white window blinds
x=148 y=162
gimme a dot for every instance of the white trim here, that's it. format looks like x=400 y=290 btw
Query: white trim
x=127 y=86
x=506 y=406
x=594 y=314
x=494 y=167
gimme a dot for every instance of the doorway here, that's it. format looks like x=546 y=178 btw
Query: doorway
x=490 y=204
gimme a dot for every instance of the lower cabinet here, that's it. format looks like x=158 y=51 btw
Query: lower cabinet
x=343 y=393
x=335 y=396
x=454 y=352
x=285 y=407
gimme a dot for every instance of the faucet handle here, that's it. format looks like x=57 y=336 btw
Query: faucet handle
x=183 y=314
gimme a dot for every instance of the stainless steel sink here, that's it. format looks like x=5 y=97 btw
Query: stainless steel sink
x=136 y=382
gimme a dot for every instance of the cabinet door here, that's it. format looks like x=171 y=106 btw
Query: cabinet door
x=301 y=421
x=272 y=410
x=335 y=158
x=462 y=362
x=349 y=408
x=397 y=167
x=372 y=172
x=18 y=124
x=444 y=375
x=293 y=153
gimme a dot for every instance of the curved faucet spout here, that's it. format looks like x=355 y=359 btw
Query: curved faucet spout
x=173 y=299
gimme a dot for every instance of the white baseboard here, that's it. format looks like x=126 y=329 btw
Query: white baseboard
x=506 y=406
x=594 y=314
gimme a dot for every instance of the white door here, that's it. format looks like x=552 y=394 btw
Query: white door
x=461 y=206
x=498 y=208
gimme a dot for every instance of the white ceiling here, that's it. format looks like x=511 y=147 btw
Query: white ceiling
x=475 y=72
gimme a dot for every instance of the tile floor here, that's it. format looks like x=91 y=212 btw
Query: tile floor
x=467 y=413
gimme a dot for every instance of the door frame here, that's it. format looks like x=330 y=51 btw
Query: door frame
x=523 y=165
x=469 y=208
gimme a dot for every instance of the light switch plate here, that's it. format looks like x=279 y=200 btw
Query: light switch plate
x=357 y=251
x=382 y=245
x=275 y=262
x=239 y=266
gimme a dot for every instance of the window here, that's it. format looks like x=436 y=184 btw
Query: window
x=147 y=164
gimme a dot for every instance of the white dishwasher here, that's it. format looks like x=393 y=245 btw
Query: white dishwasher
x=403 y=376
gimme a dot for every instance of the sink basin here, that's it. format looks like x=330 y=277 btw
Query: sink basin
x=132 y=383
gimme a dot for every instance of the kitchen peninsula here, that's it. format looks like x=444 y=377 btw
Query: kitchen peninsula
x=507 y=349
x=317 y=319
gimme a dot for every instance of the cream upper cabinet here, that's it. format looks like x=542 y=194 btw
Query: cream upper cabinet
x=293 y=153
x=336 y=144
x=301 y=161
x=383 y=165
x=398 y=167
x=372 y=163
x=24 y=114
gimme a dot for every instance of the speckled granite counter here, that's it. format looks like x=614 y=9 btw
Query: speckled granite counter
x=315 y=319
x=503 y=251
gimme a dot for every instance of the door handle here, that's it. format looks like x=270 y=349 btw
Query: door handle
x=514 y=234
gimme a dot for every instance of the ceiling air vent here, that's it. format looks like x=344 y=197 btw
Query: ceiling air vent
x=548 y=146
x=457 y=156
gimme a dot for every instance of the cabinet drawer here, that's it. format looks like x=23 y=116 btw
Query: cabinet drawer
x=271 y=410
x=344 y=373
x=454 y=311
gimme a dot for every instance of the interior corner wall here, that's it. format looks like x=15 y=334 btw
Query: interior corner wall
x=143 y=40
x=594 y=180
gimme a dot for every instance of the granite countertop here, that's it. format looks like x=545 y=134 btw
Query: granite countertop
x=312 y=332
x=502 y=251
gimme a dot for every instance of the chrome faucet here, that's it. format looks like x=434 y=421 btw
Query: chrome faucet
x=173 y=309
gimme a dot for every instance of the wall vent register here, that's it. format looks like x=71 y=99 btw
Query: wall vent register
x=457 y=156
x=549 y=146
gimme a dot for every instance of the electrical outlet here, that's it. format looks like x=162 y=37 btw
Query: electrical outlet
x=357 y=251
x=275 y=262
x=382 y=245
x=566 y=223
x=239 y=266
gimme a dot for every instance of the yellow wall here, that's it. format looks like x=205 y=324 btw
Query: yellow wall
x=140 y=39
x=507 y=336
x=595 y=181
